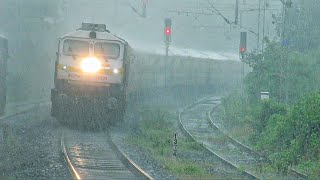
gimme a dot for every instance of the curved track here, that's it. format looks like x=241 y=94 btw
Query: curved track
x=293 y=172
x=95 y=156
x=194 y=122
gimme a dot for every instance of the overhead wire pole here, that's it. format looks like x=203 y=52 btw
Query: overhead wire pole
x=259 y=16
x=263 y=25
x=236 y=12
x=286 y=21
x=282 y=41
x=144 y=8
x=284 y=56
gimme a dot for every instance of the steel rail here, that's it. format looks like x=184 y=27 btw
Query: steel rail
x=117 y=153
x=128 y=161
x=226 y=162
x=69 y=163
x=247 y=148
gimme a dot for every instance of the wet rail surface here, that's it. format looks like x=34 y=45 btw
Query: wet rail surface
x=95 y=156
x=194 y=120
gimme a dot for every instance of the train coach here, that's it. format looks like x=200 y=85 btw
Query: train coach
x=3 y=73
x=91 y=77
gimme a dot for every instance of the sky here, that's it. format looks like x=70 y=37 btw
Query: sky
x=195 y=24
x=34 y=26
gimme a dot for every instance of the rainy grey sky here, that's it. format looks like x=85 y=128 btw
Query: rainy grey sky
x=197 y=30
x=195 y=24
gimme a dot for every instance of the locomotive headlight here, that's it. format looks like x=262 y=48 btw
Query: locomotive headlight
x=115 y=71
x=90 y=65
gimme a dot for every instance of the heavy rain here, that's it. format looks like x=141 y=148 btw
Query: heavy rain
x=159 y=89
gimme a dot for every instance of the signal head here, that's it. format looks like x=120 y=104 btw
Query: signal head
x=167 y=31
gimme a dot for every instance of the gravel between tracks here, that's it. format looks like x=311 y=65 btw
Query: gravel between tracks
x=30 y=147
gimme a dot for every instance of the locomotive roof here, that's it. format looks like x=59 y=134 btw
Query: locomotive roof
x=99 y=35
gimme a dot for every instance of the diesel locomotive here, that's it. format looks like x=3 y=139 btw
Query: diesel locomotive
x=91 y=77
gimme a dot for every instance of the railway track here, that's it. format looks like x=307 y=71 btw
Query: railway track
x=195 y=122
x=248 y=149
x=95 y=156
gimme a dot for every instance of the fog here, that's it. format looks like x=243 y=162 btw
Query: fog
x=33 y=27
x=263 y=108
x=195 y=24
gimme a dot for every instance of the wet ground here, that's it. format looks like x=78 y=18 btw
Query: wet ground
x=30 y=147
x=30 y=141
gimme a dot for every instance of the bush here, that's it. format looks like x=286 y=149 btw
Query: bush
x=265 y=110
x=305 y=125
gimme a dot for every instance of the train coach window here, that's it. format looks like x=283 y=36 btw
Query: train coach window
x=76 y=47
x=111 y=50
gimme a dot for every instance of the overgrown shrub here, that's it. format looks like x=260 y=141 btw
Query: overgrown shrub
x=266 y=110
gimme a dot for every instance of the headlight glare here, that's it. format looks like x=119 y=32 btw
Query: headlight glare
x=115 y=71
x=90 y=65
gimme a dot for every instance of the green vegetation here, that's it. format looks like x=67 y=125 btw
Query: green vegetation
x=156 y=131
x=286 y=128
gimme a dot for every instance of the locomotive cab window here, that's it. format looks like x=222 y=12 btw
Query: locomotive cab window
x=75 y=47
x=110 y=50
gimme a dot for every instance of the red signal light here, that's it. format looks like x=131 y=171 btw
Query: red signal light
x=242 y=49
x=167 y=31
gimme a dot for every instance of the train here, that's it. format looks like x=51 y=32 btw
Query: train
x=3 y=73
x=91 y=77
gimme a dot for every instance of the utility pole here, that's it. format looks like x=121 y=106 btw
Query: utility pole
x=236 y=13
x=264 y=23
x=284 y=56
x=144 y=8
x=259 y=16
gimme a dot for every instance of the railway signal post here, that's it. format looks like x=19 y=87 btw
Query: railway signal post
x=242 y=51
x=167 y=34
x=243 y=44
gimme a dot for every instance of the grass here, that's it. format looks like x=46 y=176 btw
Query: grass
x=185 y=169
x=156 y=134
x=311 y=168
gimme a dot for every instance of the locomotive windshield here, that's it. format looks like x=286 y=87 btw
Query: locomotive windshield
x=110 y=50
x=76 y=47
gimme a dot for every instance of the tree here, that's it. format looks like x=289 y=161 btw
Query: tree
x=285 y=73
